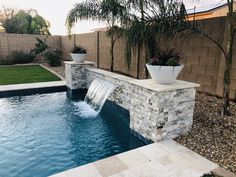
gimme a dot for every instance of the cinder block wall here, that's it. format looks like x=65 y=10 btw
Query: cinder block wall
x=89 y=42
x=203 y=57
x=120 y=62
x=203 y=60
x=66 y=45
x=25 y=42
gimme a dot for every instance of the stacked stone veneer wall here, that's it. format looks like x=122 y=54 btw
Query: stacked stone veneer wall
x=156 y=111
x=76 y=74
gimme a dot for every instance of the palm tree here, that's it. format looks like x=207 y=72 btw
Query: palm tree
x=153 y=20
x=134 y=32
x=228 y=52
x=111 y=11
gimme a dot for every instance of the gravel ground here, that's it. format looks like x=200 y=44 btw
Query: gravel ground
x=212 y=136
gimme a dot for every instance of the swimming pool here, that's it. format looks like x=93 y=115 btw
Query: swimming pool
x=44 y=134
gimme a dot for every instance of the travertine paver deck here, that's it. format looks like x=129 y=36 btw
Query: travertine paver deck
x=163 y=159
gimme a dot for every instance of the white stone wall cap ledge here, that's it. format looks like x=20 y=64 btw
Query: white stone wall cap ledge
x=82 y=63
x=148 y=83
x=178 y=85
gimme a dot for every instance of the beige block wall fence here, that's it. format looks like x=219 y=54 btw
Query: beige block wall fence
x=203 y=60
x=25 y=42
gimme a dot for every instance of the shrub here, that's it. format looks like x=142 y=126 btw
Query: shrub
x=40 y=46
x=21 y=57
x=6 y=61
x=79 y=50
x=53 y=57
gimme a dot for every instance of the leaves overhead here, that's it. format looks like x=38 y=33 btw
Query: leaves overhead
x=141 y=22
x=154 y=20
x=111 y=11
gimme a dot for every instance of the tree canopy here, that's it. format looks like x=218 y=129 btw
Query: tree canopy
x=111 y=11
x=141 y=22
x=23 y=22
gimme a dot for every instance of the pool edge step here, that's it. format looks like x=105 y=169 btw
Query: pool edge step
x=32 y=88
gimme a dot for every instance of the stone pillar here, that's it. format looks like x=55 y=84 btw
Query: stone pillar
x=76 y=74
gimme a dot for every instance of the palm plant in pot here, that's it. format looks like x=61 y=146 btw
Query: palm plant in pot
x=78 y=54
x=165 y=67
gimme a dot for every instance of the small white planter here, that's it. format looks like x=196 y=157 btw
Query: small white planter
x=77 y=57
x=164 y=74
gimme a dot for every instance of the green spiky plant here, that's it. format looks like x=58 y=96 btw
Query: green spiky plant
x=111 y=11
x=166 y=57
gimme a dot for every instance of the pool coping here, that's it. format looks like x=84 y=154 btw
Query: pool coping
x=32 y=88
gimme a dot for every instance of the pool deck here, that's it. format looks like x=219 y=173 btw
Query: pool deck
x=163 y=159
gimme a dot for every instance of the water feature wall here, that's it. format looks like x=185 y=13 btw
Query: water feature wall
x=156 y=111
x=98 y=92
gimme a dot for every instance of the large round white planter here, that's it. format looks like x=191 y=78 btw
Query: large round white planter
x=164 y=74
x=77 y=57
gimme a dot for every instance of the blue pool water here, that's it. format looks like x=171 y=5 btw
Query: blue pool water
x=44 y=134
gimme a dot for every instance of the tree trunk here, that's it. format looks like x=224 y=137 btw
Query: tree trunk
x=226 y=105
x=98 y=49
x=141 y=2
x=112 y=53
x=227 y=76
x=138 y=60
x=146 y=60
x=229 y=56
x=74 y=42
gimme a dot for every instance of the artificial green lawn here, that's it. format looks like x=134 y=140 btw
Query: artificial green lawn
x=25 y=74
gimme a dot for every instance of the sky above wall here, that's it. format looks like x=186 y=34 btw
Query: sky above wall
x=55 y=11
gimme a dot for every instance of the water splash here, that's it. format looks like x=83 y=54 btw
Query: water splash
x=84 y=110
x=98 y=93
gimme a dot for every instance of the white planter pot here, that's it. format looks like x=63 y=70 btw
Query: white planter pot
x=78 y=58
x=164 y=74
